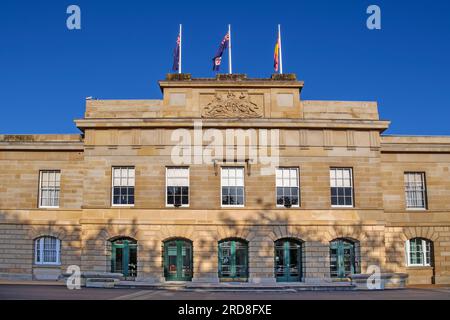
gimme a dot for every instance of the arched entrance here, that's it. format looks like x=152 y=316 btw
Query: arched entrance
x=344 y=258
x=178 y=260
x=288 y=260
x=124 y=257
x=233 y=260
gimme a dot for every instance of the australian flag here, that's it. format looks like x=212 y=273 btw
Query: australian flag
x=218 y=57
x=176 y=56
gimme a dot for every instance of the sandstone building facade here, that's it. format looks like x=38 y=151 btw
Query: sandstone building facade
x=340 y=198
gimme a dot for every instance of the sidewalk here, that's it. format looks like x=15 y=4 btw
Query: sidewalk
x=218 y=286
x=227 y=286
x=32 y=282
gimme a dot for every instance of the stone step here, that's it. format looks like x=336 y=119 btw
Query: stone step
x=101 y=282
x=189 y=286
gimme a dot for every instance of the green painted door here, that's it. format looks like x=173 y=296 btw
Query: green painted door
x=233 y=260
x=342 y=259
x=288 y=263
x=124 y=257
x=178 y=260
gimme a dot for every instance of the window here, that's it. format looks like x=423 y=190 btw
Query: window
x=418 y=252
x=47 y=250
x=123 y=186
x=177 y=182
x=341 y=182
x=49 y=188
x=233 y=187
x=287 y=187
x=415 y=190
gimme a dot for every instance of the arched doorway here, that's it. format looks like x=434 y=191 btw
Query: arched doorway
x=344 y=258
x=178 y=260
x=124 y=257
x=233 y=260
x=288 y=260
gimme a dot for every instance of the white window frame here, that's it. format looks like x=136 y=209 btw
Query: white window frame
x=188 y=185
x=41 y=172
x=39 y=247
x=351 y=184
x=112 y=186
x=424 y=252
x=221 y=186
x=298 y=187
x=425 y=196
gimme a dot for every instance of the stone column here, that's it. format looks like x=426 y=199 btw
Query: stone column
x=316 y=262
x=205 y=249
x=150 y=261
x=261 y=259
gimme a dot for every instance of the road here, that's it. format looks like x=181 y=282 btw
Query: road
x=40 y=292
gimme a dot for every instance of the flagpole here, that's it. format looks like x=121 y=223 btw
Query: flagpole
x=230 y=68
x=181 y=36
x=281 y=52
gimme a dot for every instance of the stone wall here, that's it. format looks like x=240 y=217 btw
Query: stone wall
x=396 y=238
x=17 y=249
x=19 y=174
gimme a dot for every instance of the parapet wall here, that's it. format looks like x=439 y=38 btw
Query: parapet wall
x=340 y=110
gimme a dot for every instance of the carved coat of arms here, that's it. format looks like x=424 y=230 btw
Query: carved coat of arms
x=232 y=105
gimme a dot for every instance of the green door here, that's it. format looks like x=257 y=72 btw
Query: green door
x=233 y=260
x=288 y=263
x=343 y=260
x=124 y=257
x=178 y=260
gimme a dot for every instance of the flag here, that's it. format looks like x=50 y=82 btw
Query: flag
x=218 y=57
x=276 y=57
x=176 y=55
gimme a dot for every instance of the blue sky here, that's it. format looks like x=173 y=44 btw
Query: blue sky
x=125 y=47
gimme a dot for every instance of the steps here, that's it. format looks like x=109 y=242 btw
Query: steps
x=242 y=287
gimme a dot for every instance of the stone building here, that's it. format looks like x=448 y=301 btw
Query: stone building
x=319 y=193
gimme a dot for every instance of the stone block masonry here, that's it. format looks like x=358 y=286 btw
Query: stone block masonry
x=205 y=242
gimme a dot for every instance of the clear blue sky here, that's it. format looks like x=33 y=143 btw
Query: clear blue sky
x=125 y=47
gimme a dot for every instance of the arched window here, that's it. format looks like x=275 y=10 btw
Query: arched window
x=233 y=260
x=344 y=258
x=419 y=252
x=47 y=250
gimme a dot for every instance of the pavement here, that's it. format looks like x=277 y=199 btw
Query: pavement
x=57 y=292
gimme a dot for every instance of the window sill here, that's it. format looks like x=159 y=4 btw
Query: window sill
x=343 y=207
x=122 y=206
x=419 y=267
x=46 y=266
x=292 y=207
x=416 y=210
x=174 y=207
x=232 y=207
x=48 y=208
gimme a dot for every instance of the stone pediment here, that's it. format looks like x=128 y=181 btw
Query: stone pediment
x=232 y=104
